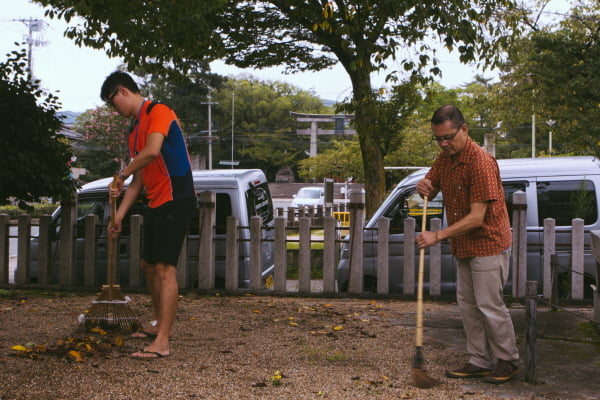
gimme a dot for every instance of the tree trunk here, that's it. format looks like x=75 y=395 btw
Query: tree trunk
x=372 y=156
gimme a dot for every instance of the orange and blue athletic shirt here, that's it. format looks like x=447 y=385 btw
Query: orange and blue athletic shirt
x=169 y=176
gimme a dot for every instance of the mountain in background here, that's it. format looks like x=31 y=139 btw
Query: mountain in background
x=68 y=117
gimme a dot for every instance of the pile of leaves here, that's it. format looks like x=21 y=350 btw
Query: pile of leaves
x=77 y=348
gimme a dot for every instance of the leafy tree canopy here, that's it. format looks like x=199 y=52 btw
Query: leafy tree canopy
x=36 y=158
x=552 y=74
x=361 y=35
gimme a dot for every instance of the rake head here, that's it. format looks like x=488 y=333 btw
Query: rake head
x=111 y=311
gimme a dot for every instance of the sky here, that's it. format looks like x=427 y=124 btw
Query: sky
x=76 y=74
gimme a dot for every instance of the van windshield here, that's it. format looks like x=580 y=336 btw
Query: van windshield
x=309 y=193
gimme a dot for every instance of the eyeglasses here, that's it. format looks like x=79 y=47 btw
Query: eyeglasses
x=447 y=138
x=111 y=98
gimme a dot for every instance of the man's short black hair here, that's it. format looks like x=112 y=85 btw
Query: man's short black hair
x=114 y=81
x=450 y=113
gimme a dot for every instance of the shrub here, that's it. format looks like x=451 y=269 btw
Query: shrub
x=37 y=210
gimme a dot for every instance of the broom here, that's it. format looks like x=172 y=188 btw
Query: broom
x=111 y=311
x=420 y=377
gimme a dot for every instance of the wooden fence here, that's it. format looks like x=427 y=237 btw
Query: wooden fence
x=203 y=276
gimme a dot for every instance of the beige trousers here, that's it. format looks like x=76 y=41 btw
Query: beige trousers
x=487 y=322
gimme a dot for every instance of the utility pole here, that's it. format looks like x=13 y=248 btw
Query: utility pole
x=33 y=25
x=210 y=103
x=232 y=123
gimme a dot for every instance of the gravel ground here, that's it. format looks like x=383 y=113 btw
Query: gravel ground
x=225 y=347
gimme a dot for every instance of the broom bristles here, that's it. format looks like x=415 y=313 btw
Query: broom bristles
x=420 y=377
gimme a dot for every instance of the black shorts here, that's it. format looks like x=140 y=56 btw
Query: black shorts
x=165 y=228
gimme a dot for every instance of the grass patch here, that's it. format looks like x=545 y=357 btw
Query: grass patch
x=316 y=268
x=292 y=242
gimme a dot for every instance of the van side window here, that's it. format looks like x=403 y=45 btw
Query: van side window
x=223 y=211
x=89 y=206
x=137 y=208
x=509 y=189
x=259 y=202
x=566 y=200
x=410 y=204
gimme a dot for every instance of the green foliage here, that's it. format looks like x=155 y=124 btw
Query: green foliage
x=340 y=162
x=35 y=161
x=36 y=210
x=360 y=35
x=264 y=134
x=552 y=73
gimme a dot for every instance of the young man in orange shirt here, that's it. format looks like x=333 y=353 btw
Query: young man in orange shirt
x=160 y=164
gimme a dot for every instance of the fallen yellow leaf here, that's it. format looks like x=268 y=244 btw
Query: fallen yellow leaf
x=75 y=356
x=338 y=328
x=19 y=348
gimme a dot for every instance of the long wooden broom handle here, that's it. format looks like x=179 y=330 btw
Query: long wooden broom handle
x=419 y=333
x=111 y=241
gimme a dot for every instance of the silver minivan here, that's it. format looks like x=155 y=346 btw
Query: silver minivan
x=242 y=193
x=562 y=188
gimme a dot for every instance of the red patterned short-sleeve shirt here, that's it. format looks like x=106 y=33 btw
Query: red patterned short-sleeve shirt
x=473 y=178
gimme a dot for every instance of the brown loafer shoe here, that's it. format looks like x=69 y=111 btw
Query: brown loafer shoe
x=503 y=372
x=468 y=371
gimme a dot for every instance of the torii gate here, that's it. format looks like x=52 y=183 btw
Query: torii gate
x=339 y=119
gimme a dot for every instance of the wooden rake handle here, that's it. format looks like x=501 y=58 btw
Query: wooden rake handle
x=112 y=242
x=421 y=274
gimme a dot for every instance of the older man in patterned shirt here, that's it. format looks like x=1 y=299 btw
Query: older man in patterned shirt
x=480 y=239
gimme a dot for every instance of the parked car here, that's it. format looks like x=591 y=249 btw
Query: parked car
x=309 y=196
x=561 y=188
x=239 y=193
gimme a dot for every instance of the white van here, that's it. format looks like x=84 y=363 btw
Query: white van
x=562 y=188
x=239 y=193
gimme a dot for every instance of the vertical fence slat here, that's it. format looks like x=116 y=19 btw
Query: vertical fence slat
x=577 y=263
x=435 y=262
x=383 y=256
x=182 y=269
x=255 y=254
x=68 y=218
x=206 y=242
x=23 y=253
x=136 y=223
x=330 y=250
x=45 y=253
x=304 y=258
x=280 y=256
x=357 y=220
x=90 y=250
x=408 y=273
x=4 y=249
x=549 y=251
x=232 y=254
x=519 y=253
x=596 y=253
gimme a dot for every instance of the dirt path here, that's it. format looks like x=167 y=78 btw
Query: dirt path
x=255 y=347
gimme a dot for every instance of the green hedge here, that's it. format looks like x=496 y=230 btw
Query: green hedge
x=39 y=209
